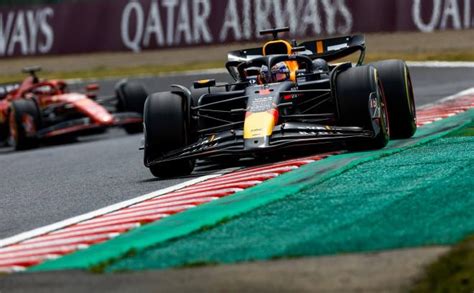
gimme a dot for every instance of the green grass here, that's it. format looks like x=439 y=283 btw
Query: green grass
x=104 y=72
x=466 y=131
x=453 y=272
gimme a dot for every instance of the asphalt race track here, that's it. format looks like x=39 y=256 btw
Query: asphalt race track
x=56 y=182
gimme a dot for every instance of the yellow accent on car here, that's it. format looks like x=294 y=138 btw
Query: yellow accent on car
x=258 y=125
x=203 y=81
x=277 y=47
x=293 y=67
x=319 y=47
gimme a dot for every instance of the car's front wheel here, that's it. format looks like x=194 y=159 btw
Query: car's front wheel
x=24 y=122
x=361 y=102
x=398 y=88
x=166 y=129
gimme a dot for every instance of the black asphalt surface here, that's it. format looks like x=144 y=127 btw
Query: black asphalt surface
x=53 y=183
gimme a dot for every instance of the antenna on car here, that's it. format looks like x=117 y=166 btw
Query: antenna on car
x=274 y=32
x=31 y=70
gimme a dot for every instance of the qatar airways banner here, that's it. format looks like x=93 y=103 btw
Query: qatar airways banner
x=137 y=25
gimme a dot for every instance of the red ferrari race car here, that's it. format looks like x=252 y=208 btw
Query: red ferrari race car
x=35 y=109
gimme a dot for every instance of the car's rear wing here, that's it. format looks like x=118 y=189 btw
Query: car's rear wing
x=336 y=48
x=329 y=49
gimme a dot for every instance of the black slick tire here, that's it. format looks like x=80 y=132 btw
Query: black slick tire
x=398 y=88
x=24 y=123
x=131 y=98
x=166 y=129
x=356 y=89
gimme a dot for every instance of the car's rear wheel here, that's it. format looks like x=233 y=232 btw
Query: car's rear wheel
x=361 y=103
x=131 y=98
x=166 y=129
x=24 y=123
x=398 y=88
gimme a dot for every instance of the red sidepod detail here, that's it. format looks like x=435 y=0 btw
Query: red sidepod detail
x=20 y=256
x=69 y=130
x=97 y=113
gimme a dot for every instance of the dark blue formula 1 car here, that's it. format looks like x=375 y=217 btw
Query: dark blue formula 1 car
x=285 y=96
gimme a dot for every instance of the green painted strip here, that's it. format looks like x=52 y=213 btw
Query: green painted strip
x=215 y=212
x=420 y=196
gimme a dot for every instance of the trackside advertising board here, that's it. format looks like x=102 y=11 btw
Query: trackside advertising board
x=137 y=25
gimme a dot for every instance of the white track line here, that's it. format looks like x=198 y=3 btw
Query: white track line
x=71 y=221
x=441 y=64
x=467 y=92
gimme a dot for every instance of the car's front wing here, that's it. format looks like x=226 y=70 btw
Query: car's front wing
x=288 y=135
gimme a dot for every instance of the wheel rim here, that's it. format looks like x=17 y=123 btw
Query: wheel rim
x=410 y=94
x=384 y=111
x=384 y=114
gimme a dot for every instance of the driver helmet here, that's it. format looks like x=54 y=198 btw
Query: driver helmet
x=264 y=76
x=278 y=73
